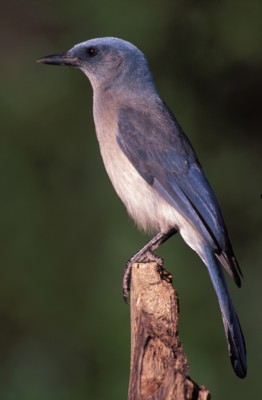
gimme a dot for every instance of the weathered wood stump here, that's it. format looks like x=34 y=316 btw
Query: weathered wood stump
x=159 y=367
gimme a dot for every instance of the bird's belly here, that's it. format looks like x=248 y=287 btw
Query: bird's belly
x=150 y=211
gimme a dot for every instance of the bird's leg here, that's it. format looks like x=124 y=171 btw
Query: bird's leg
x=144 y=255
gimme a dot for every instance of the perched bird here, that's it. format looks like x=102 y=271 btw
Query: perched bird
x=154 y=168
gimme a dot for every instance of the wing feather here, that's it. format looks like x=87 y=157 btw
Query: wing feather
x=157 y=147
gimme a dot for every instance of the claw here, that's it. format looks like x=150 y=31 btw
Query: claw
x=146 y=254
x=127 y=280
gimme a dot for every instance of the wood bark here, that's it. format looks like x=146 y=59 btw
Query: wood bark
x=159 y=368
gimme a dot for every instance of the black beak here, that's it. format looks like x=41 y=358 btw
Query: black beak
x=60 y=59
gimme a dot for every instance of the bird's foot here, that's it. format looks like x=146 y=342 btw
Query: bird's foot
x=147 y=256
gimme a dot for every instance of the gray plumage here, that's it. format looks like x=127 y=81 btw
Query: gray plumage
x=153 y=166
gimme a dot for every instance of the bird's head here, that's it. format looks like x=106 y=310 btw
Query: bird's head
x=105 y=61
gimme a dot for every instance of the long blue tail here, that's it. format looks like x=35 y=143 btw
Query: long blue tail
x=234 y=335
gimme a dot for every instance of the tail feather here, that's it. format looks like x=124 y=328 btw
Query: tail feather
x=231 y=265
x=237 y=353
x=234 y=335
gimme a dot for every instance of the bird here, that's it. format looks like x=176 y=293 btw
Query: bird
x=154 y=168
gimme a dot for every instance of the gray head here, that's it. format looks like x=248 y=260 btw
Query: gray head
x=107 y=62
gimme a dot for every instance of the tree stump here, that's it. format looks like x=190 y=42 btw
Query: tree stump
x=159 y=367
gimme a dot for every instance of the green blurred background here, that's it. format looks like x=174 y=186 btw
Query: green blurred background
x=65 y=236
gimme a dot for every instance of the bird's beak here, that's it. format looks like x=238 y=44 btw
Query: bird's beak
x=60 y=59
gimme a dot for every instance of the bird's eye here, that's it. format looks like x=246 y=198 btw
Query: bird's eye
x=91 y=51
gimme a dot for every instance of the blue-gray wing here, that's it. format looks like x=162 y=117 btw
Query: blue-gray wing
x=159 y=150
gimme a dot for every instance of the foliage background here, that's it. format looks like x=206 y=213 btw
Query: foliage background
x=64 y=235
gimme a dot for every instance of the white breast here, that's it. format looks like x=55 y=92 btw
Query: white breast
x=148 y=209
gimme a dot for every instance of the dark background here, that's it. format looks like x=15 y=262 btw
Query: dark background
x=65 y=236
